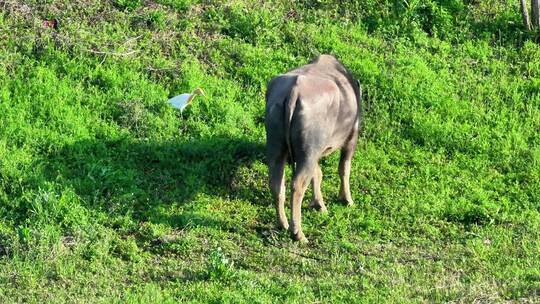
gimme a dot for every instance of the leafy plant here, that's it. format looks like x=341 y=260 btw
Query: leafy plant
x=219 y=267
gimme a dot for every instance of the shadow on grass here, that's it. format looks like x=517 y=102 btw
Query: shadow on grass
x=141 y=179
x=502 y=30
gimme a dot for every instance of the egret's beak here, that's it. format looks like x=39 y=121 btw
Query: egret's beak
x=198 y=91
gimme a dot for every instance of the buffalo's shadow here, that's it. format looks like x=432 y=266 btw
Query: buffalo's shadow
x=140 y=178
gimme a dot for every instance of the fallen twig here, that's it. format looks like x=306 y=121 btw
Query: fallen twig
x=112 y=53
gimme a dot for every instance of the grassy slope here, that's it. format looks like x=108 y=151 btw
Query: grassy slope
x=107 y=194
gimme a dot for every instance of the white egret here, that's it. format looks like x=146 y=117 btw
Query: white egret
x=183 y=100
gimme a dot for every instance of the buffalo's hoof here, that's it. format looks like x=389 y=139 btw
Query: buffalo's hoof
x=299 y=237
x=348 y=201
x=318 y=206
x=282 y=225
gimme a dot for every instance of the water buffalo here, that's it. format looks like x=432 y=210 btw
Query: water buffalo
x=311 y=111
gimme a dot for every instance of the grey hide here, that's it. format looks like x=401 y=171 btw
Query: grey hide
x=311 y=111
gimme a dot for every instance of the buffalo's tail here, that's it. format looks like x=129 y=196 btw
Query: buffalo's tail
x=290 y=105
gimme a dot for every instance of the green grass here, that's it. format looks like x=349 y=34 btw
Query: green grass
x=109 y=195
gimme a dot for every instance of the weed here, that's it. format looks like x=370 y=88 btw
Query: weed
x=219 y=266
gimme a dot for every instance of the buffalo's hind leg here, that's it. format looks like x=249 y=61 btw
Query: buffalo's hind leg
x=300 y=182
x=347 y=153
x=276 y=170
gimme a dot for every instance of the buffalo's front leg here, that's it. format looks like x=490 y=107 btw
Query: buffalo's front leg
x=317 y=202
x=347 y=153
